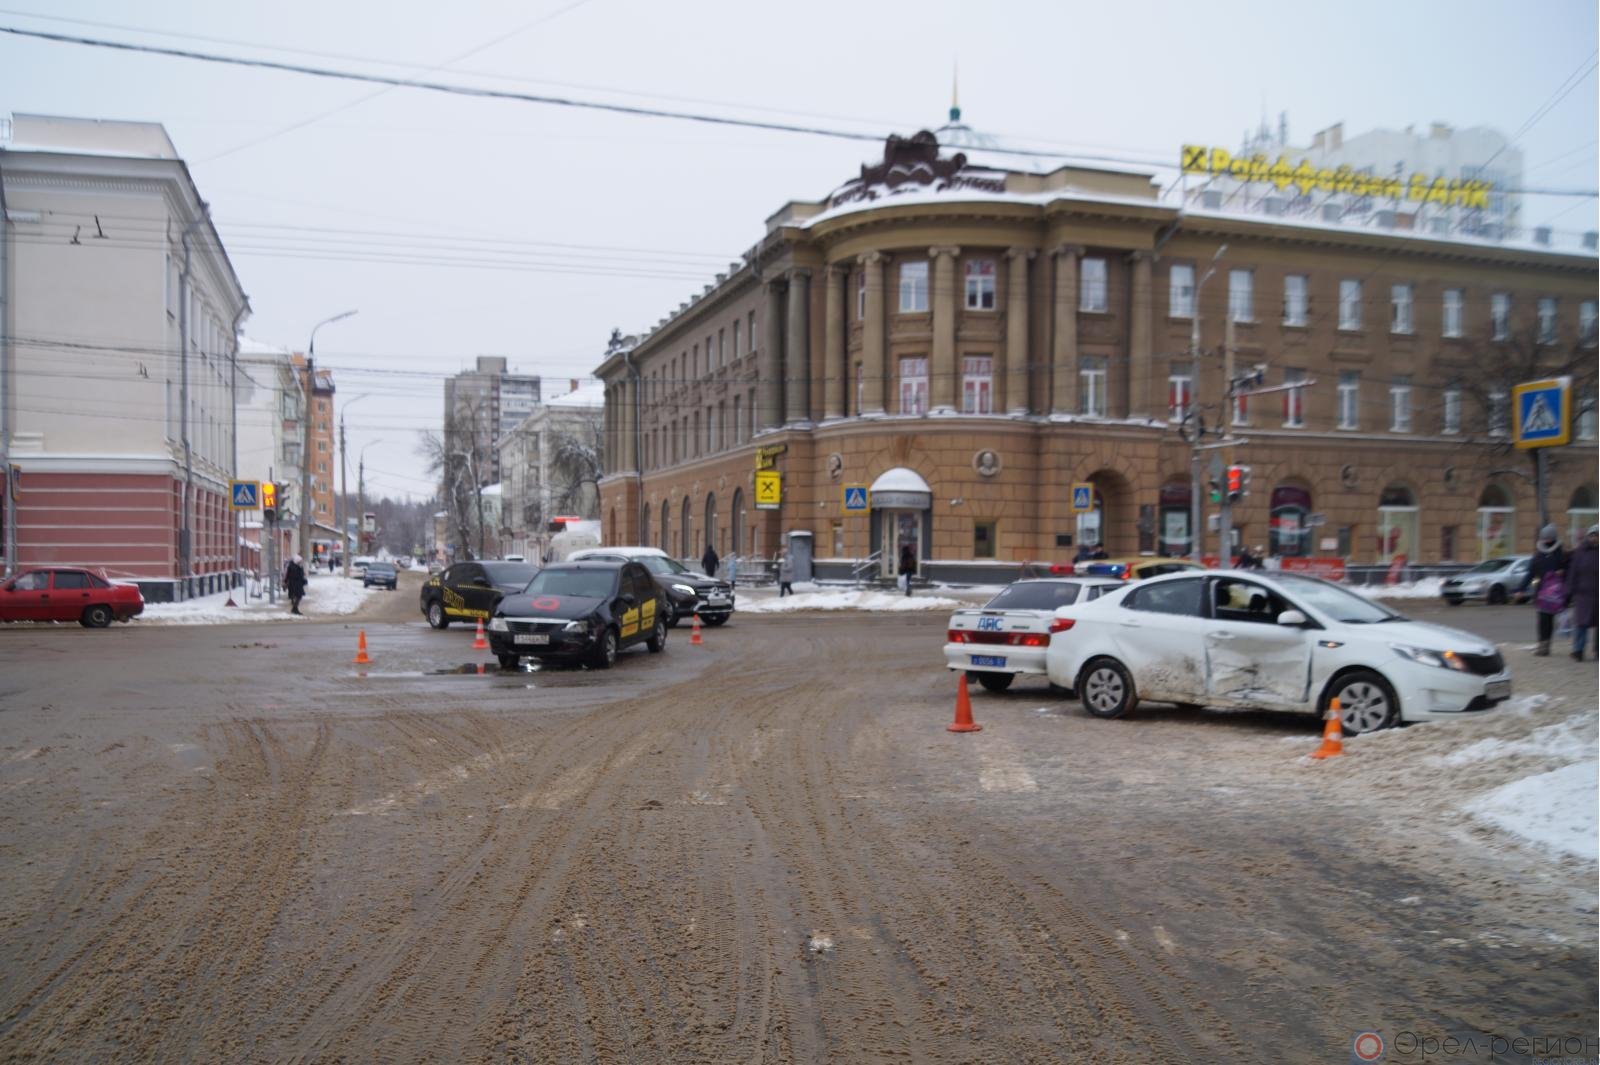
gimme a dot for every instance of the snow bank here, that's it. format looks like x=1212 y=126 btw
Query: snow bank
x=326 y=595
x=856 y=599
x=1554 y=810
x=1561 y=741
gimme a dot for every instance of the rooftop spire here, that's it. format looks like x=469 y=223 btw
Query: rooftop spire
x=955 y=98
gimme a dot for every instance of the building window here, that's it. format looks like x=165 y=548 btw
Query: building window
x=1400 y=405
x=1296 y=299
x=1451 y=421
x=1241 y=295
x=914 y=386
x=913 y=287
x=861 y=295
x=977 y=384
x=736 y=338
x=738 y=425
x=980 y=285
x=750 y=405
x=1397 y=524
x=1581 y=513
x=1499 y=412
x=1349 y=304
x=1241 y=410
x=1180 y=291
x=1092 y=385
x=983 y=539
x=1180 y=393
x=1349 y=399
x=1497 y=520
x=1500 y=316
x=1586 y=323
x=1092 y=285
x=859 y=387
x=1585 y=414
x=722 y=354
x=1289 y=530
x=1400 y=320
x=1547 y=320
x=1294 y=400
x=1452 y=312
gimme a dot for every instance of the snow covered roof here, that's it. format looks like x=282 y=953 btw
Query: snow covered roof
x=589 y=394
x=251 y=346
x=490 y=489
x=900 y=479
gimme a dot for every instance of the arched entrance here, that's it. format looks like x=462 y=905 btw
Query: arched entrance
x=1581 y=514
x=686 y=532
x=902 y=513
x=736 y=526
x=711 y=519
x=666 y=528
x=1173 y=535
x=1111 y=522
x=1398 y=521
x=1497 y=518
x=1289 y=531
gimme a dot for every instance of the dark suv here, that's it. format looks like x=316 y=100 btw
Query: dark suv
x=685 y=592
x=468 y=591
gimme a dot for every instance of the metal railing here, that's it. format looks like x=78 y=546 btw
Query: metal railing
x=867 y=568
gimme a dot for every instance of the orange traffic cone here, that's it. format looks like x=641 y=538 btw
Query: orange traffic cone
x=361 y=658
x=963 y=721
x=479 y=643
x=694 y=632
x=1332 y=733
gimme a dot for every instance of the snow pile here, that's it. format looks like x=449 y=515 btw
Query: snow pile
x=1554 y=810
x=855 y=599
x=326 y=595
x=1427 y=588
x=1547 y=742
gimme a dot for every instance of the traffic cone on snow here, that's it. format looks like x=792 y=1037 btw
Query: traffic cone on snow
x=230 y=601
x=963 y=721
x=1332 y=733
x=361 y=658
x=480 y=644
x=694 y=632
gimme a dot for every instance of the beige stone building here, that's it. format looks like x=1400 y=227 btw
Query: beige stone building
x=968 y=344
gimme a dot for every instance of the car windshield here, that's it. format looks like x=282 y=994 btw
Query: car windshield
x=1494 y=565
x=581 y=583
x=379 y=567
x=1035 y=595
x=661 y=564
x=1332 y=600
x=509 y=574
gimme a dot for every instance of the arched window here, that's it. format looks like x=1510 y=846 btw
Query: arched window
x=612 y=532
x=1581 y=514
x=1289 y=534
x=644 y=525
x=1497 y=521
x=711 y=518
x=666 y=528
x=1398 y=520
x=687 y=532
x=736 y=522
x=1173 y=537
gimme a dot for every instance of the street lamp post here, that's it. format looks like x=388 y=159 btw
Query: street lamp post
x=361 y=491
x=343 y=517
x=305 y=435
x=1196 y=550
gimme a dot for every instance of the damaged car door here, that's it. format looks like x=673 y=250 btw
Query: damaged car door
x=1251 y=659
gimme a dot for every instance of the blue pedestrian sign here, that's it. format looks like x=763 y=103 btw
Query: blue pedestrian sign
x=246 y=494
x=1082 y=497
x=857 y=500
x=1541 y=413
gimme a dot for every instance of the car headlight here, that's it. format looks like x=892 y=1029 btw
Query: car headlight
x=498 y=624
x=684 y=589
x=1428 y=657
x=575 y=626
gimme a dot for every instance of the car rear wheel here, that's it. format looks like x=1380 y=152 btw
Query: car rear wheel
x=509 y=661
x=672 y=615
x=995 y=682
x=1106 y=688
x=605 y=655
x=1497 y=595
x=1366 y=702
x=436 y=615
x=658 y=638
x=96 y=617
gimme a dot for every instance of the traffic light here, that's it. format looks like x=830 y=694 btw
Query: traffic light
x=269 y=501
x=1238 y=483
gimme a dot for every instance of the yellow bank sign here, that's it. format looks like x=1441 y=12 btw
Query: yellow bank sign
x=1258 y=169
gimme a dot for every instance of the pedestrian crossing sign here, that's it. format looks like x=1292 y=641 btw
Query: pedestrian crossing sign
x=1541 y=413
x=1082 y=497
x=245 y=494
x=856 y=499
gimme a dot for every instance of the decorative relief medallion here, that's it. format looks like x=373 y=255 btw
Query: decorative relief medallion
x=987 y=463
x=835 y=465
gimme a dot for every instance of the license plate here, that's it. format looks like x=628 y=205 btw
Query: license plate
x=988 y=660
x=532 y=637
x=716 y=600
x=1498 y=689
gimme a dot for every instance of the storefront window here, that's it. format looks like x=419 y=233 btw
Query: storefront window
x=1496 y=522
x=1398 y=521
x=1581 y=514
x=1174 y=518
x=1289 y=534
x=1090 y=526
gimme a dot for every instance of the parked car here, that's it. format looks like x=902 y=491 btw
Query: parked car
x=1273 y=641
x=64 y=594
x=1008 y=635
x=1133 y=569
x=382 y=574
x=471 y=590
x=580 y=611
x=685 y=592
x=1494 y=581
x=359 y=564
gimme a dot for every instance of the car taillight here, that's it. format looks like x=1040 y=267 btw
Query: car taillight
x=1062 y=624
x=1029 y=639
x=958 y=636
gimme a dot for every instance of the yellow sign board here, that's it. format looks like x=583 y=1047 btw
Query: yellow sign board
x=767 y=457
x=1258 y=169
x=769 y=489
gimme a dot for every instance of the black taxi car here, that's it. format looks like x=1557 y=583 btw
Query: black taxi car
x=468 y=591
x=580 y=611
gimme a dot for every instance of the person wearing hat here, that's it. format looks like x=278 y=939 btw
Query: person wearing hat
x=1547 y=573
x=1583 y=574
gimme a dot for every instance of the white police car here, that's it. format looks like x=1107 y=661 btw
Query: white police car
x=1010 y=633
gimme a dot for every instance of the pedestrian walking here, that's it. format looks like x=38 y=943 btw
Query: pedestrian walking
x=709 y=561
x=1547 y=573
x=1250 y=558
x=294 y=582
x=908 y=566
x=732 y=570
x=1583 y=574
x=330 y=563
x=785 y=574
x=1084 y=553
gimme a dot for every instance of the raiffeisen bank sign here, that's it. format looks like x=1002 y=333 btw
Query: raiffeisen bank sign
x=1258 y=169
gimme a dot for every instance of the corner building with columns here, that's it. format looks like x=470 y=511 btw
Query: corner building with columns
x=968 y=344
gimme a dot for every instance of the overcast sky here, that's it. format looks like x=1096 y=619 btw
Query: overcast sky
x=461 y=226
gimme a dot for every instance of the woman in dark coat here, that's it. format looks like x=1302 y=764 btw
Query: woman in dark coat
x=709 y=560
x=1548 y=559
x=908 y=565
x=294 y=582
x=1583 y=574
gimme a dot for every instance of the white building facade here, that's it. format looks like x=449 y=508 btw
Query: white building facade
x=540 y=467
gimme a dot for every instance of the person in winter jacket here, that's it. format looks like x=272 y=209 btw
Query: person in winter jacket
x=709 y=561
x=1583 y=574
x=785 y=574
x=294 y=582
x=1548 y=573
x=908 y=565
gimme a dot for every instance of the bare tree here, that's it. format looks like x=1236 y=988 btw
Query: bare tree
x=576 y=464
x=459 y=458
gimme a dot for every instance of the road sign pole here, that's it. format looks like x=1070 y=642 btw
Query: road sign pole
x=1539 y=485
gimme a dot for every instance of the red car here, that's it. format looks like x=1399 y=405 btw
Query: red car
x=68 y=595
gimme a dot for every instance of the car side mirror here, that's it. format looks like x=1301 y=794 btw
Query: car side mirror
x=481 y=582
x=1291 y=617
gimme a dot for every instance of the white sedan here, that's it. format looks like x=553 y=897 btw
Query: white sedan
x=1009 y=634
x=1272 y=641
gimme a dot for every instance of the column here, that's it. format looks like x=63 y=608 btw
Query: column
x=835 y=368
x=797 y=350
x=942 y=297
x=1064 y=348
x=770 y=391
x=1140 y=316
x=630 y=425
x=611 y=440
x=1011 y=377
x=872 y=336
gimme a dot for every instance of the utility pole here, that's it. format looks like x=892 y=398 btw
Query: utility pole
x=344 y=500
x=1225 y=508
x=305 y=453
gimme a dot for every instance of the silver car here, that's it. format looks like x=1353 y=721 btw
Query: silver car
x=1493 y=581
